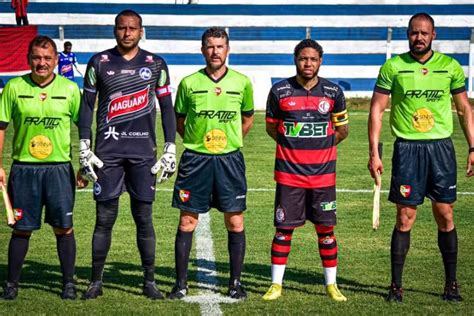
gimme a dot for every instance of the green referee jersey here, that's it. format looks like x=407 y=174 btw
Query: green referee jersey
x=41 y=118
x=421 y=100
x=214 y=110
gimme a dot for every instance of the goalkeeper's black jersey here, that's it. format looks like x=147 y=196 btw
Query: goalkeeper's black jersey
x=126 y=111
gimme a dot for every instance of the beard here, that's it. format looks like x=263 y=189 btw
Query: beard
x=305 y=76
x=416 y=51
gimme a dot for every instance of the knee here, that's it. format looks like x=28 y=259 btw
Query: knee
x=188 y=222
x=62 y=231
x=234 y=223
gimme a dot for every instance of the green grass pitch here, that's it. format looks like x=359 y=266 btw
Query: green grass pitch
x=364 y=261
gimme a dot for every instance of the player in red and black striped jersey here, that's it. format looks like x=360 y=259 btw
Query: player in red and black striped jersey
x=127 y=80
x=307 y=117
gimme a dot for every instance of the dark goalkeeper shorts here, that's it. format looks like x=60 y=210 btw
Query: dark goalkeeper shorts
x=294 y=205
x=423 y=168
x=32 y=186
x=125 y=174
x=206 y=181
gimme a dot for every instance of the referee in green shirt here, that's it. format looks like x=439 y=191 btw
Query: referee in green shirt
x=42 y=107
x=214 y=110
x=421 y=83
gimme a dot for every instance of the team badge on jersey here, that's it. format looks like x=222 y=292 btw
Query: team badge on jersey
x=145 y=73
x=218 y=91
x=127 y=104
x=280 y=215
x=323 y=107
x=405 y=190
x=424 y=71
x=184 y=195
x=43 y=96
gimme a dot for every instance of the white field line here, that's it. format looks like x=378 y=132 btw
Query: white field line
x=209 y=297
x=273 y=189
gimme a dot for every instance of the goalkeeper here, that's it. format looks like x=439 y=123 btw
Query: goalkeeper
x=127 y=80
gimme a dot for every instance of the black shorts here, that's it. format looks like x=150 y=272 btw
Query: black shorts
x=206 y=181
x=294 y=205
x=32 y=186
x=125 y=174
x=423 y=168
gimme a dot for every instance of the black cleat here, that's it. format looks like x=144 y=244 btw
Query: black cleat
x=151 y=291
x=93 y=291
x=395 y=294
x=10 y=291
x=69 y=292
x=236 y=290
x=179 y=291
x=451 y=292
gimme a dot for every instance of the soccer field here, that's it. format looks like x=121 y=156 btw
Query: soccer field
x=364 y=259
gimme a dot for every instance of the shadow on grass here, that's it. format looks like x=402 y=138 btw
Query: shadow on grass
x=128 y=278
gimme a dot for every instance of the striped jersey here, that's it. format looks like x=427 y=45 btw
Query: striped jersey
x=306 y=143
x=126 y=110
x=66 y=62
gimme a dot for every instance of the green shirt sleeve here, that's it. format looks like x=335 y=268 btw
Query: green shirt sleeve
x=247 y=104
x=385 y=77
x=6 y=104
x=181 y=105
x=75 y=103
x=457 y=80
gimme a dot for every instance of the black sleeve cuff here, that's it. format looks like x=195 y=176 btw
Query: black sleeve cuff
x=381 y=90
x=458 y=90
x=180 y=114
x=248 y=113
x=3 y=125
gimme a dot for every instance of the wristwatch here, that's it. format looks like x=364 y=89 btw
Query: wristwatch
x=471 y=150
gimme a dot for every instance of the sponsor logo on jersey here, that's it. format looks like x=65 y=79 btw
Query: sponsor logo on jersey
x=430 y=95
x=18 y=214
x=184 y=195
x=149 y=59
x=285 y=94
x=127 y=104
x=222 y=116
x=328 y=206
x=280 y=215
x=287 y=86
x=218 y=91
x=335 y=89
x=423 y=120
x=452 y=187
x=405 y=190
x=104 y=58
x=134 y=134
x=239 y=197
x=128 y=71
x=66 y=68
x=47 y=122
x=43 y=96
x=215 y=140
x=111 y=133
x=305 y=129
x=323 y=107
x=111 y=72
x=40 y=147
x=145 y=73
x=424 y=71
x=97 y=188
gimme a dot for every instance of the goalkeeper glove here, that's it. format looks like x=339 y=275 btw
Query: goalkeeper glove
x=87 y=161
x=167 y=162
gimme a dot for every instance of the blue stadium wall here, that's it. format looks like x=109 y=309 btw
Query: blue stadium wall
x=353 y=36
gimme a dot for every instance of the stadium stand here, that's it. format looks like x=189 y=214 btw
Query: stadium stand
x=357 y=38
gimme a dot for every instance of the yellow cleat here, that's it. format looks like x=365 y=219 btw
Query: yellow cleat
x=333 y=292
x=273 y=292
